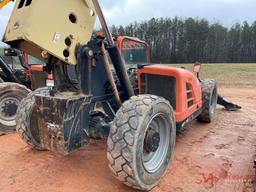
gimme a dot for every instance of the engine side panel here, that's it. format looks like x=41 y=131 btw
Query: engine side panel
x=179 y=86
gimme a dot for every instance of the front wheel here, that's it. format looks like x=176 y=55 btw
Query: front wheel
x=11 y=95
x=141 y=141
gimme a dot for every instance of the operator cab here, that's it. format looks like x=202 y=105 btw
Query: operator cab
x=134 y=51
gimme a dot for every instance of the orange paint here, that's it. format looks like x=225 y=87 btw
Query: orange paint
x=33 y=67
x=183 y=77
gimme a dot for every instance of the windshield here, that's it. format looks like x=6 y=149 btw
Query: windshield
x=13 y=61
x=134 y=52
x=34 y=61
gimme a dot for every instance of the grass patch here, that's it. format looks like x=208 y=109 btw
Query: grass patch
x=231 y=75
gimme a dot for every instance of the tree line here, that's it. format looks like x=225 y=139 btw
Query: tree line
x=177 y=40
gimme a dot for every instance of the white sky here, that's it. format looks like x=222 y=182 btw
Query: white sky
x=226 y=12
x=119 y=12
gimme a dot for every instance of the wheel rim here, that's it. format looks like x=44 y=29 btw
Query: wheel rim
x=8 y=109
x=153 y=157
x=213 y=101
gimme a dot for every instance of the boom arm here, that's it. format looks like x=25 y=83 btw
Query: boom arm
x=56 y=27
x=115 y=55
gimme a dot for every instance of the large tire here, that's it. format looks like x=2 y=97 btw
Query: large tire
x=209 y=97
x=11 y=95
x=142 y=123
x=26 y=119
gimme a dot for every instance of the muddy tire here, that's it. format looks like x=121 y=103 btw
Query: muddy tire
x=209 y=97
x=11 y=95
x=26 y=119
x=141 y=141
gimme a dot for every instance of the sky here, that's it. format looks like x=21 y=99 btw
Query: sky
x=123 y=12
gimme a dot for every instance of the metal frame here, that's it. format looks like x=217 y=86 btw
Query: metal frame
x=8 y=74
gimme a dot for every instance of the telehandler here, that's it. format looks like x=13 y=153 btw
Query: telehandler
x=140 y=128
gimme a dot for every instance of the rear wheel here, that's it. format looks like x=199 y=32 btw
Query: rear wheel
x=209 y=97
x=11 y=95
x=26 y=119
x=141 y=141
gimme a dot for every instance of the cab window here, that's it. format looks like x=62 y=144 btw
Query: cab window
x=134 y=52
x=34 y=61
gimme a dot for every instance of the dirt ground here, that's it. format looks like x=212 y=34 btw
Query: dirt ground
x=216 y=157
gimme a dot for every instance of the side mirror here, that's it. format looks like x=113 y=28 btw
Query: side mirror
x=197 y=68
x=11 y=52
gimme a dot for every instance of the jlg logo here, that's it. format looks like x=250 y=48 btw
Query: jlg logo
x=4 y=2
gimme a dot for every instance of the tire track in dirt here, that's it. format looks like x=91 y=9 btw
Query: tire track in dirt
x=240 y=177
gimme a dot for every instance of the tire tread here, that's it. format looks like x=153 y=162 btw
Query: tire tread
x=23 y=118
x=207 y=89
x=121 y=139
